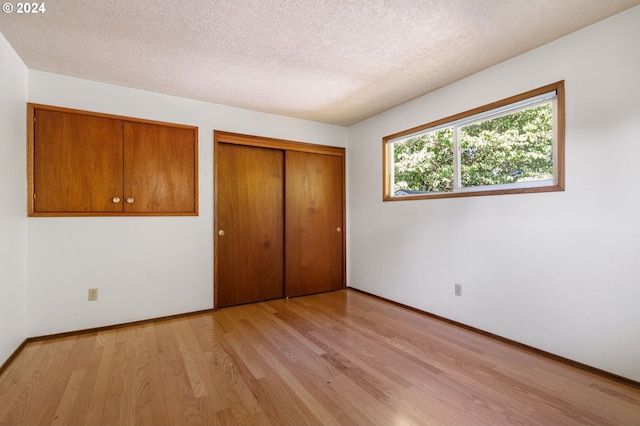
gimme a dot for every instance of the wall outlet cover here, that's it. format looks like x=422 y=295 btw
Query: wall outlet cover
x=93 y=294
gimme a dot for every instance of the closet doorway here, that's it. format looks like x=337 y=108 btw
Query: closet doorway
x=279 y=214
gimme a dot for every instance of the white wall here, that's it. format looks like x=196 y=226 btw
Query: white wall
x=144 y=267
x=13 y=201
x=557 y=271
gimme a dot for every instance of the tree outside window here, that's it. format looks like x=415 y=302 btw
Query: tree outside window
x=508 y=148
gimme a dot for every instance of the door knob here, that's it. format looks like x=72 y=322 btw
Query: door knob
x=221 y=232
x=339 y=229
x=116 y=199
x=130 y=200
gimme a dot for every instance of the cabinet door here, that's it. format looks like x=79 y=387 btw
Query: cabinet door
x=250 y=204
x=314 y=228
x=159 y=169
x=78 y=163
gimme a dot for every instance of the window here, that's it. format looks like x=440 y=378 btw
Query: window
x=511 y=146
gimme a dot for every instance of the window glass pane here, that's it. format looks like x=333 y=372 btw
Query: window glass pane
x=424 y=163
x=517 y=147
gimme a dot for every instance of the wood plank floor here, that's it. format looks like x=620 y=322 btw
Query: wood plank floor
x=340 y=358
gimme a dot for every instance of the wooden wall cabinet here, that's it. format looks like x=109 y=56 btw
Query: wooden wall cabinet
x=90 y=164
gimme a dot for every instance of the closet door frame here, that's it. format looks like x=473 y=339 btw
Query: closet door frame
x=281 y=144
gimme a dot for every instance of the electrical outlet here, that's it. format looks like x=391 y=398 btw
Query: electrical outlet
x=458 y=290
x=93 y=294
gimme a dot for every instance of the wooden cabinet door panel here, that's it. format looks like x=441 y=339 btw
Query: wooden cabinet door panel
x=78 y=163
x=314 y=229
x=250 y=204
x=159 y=169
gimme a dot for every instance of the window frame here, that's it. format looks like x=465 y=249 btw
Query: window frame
x=557 y=184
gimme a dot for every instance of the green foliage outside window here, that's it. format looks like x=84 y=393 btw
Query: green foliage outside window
x=425 y=163
x=517 y=147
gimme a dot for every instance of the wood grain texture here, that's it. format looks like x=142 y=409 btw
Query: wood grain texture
x=337 y=358
x=82 y=163
x=78 y=163
x=314 y=227
x=251 y=215
x=283 y=144
x=160 y=169
x=309 y=209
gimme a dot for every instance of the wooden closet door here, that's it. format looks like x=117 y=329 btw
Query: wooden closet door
x=159 y=169
x=78 y=163
x=250 y=227
x=314 y=228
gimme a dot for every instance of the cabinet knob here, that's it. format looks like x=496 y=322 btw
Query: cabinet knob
x=339 y=229
x=221 y=232
x=130 y=200
x=116 y=199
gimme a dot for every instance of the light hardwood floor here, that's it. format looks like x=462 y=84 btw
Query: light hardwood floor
x=334 y=358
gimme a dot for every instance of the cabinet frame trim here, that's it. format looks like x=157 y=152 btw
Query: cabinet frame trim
x=32 y=107
x=284 y=145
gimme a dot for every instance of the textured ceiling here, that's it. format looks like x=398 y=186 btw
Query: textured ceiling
x=334 y=61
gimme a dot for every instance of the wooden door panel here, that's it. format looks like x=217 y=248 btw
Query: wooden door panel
x=250 y=206
x=78 y=163
x=159 y=169
x=314 y=228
